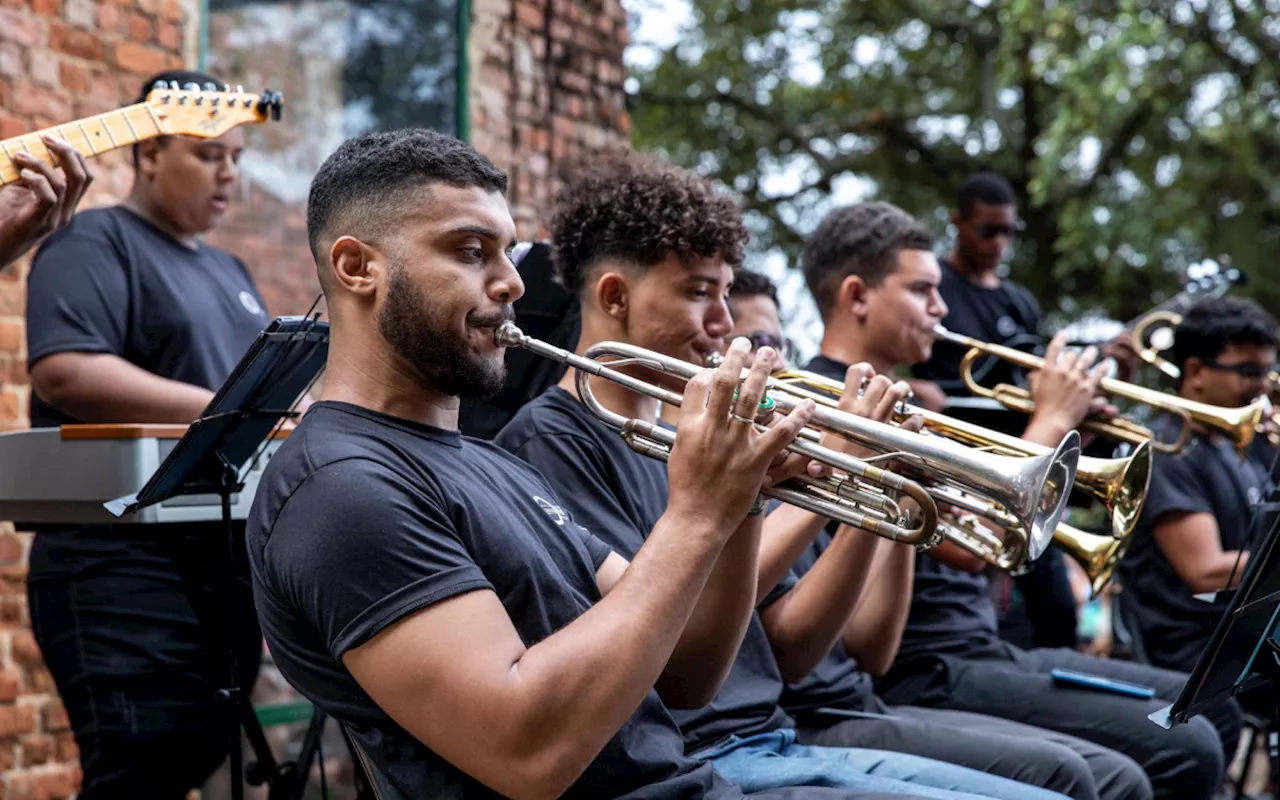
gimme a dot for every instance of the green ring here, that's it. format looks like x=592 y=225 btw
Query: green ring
x=767 y=404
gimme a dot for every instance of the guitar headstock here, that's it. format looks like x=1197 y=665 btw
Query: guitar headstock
x=209 y=111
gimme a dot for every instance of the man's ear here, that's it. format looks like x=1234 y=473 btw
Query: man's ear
x=1192 y=372
x=611 y=291
x=955 y=216
x=146 y=162
x=854 y=296
x=355 y=266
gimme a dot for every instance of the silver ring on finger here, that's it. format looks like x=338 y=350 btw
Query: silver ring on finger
x=740 y=418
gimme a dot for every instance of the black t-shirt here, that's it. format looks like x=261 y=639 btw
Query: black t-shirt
x=362 y=519
x=619 y=495
x=951 y=610
x=111 y=282
x=1007 y=315
x=1207 y=476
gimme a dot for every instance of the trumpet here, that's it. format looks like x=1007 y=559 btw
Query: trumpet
x=1119 y=483
x=1027 y=491
x=1097 y=555
x=1239 y=424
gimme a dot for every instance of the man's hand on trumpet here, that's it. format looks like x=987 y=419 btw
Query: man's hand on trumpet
x=720 y=461
x=1065 y=390
x=874 y=397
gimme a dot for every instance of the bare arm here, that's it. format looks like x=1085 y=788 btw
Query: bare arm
x=527 y=721
x=955 y=556
x=1193 y=546
x=99 y=387
x=805 y=623
x=874 y=631
x=710 y=640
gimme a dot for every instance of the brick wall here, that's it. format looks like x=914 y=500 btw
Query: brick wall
x=59 y=60
x=546 y=86
x=546 y=89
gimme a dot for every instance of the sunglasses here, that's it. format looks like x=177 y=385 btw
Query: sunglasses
x=989 y=231
x=1250 y=370
x=760 y=339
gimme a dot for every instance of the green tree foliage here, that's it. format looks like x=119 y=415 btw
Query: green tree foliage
x=1139 y=136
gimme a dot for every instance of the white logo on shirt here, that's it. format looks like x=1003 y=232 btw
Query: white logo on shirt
x=557 y=514
x=250 y=304
x=1255 y=495
x=1006 y=327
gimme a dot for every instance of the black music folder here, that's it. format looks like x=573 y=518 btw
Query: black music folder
x=281 y=364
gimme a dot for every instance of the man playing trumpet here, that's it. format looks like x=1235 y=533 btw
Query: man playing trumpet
x=651 y=251
x=872 y=272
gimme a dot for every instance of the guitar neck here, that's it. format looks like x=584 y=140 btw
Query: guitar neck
x=91 y=136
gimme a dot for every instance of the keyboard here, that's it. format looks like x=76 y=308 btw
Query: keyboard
x=64 y=475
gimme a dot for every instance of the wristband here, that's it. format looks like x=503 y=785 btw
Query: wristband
x=758 y=507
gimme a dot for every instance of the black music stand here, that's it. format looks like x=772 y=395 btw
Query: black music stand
x=1244 y=651
x=281 y=364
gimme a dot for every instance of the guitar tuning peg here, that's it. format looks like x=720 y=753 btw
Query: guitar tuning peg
x=239 y=89
x=160 y=85
x=191 y=87
x=211 y=87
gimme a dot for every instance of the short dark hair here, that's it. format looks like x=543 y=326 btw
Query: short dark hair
x=862 y=240
x=1213 y=325
x=366 y=180
x=633 y=208
x=748 y=283
x=987 y=188
x=182 y=77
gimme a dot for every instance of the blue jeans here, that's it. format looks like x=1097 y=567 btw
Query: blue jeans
x=772 y=760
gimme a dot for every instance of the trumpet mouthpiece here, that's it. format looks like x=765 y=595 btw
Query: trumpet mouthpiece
x=508 y=334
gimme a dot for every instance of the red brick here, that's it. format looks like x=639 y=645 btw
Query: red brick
x=16 y=719
x=55 y=717
x=47 y=8
x=139 y=28
x=75 y=78
x=139 y=58
x=47 y=783
x=11 y=126
x=13 y=300
x=10 y=545
x=38 y=101
x=38 y=680
x=65 y=748
x=36 y=749
x=23 y=646
x=75 y=42
x=21 y=28
x=109 y=18
x=10 y=683
x=11 y=59
x=168 y=36
x=171 y=11
x=44 y=67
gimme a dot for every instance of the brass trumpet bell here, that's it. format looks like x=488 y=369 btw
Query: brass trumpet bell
x=1097 y=555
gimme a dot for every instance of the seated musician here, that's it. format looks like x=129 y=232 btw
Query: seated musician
x=1040 y=609
x=1195 y=528
x=841 y=683
x=882 y=311
x=651 y=251
x=41 y=199
x=429 y=591
x=132 y=318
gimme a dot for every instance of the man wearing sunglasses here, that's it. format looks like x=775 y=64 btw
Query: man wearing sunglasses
x=753 y=304
x=1197 y=518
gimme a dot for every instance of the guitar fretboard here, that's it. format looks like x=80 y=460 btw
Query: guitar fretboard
x=91 y=136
